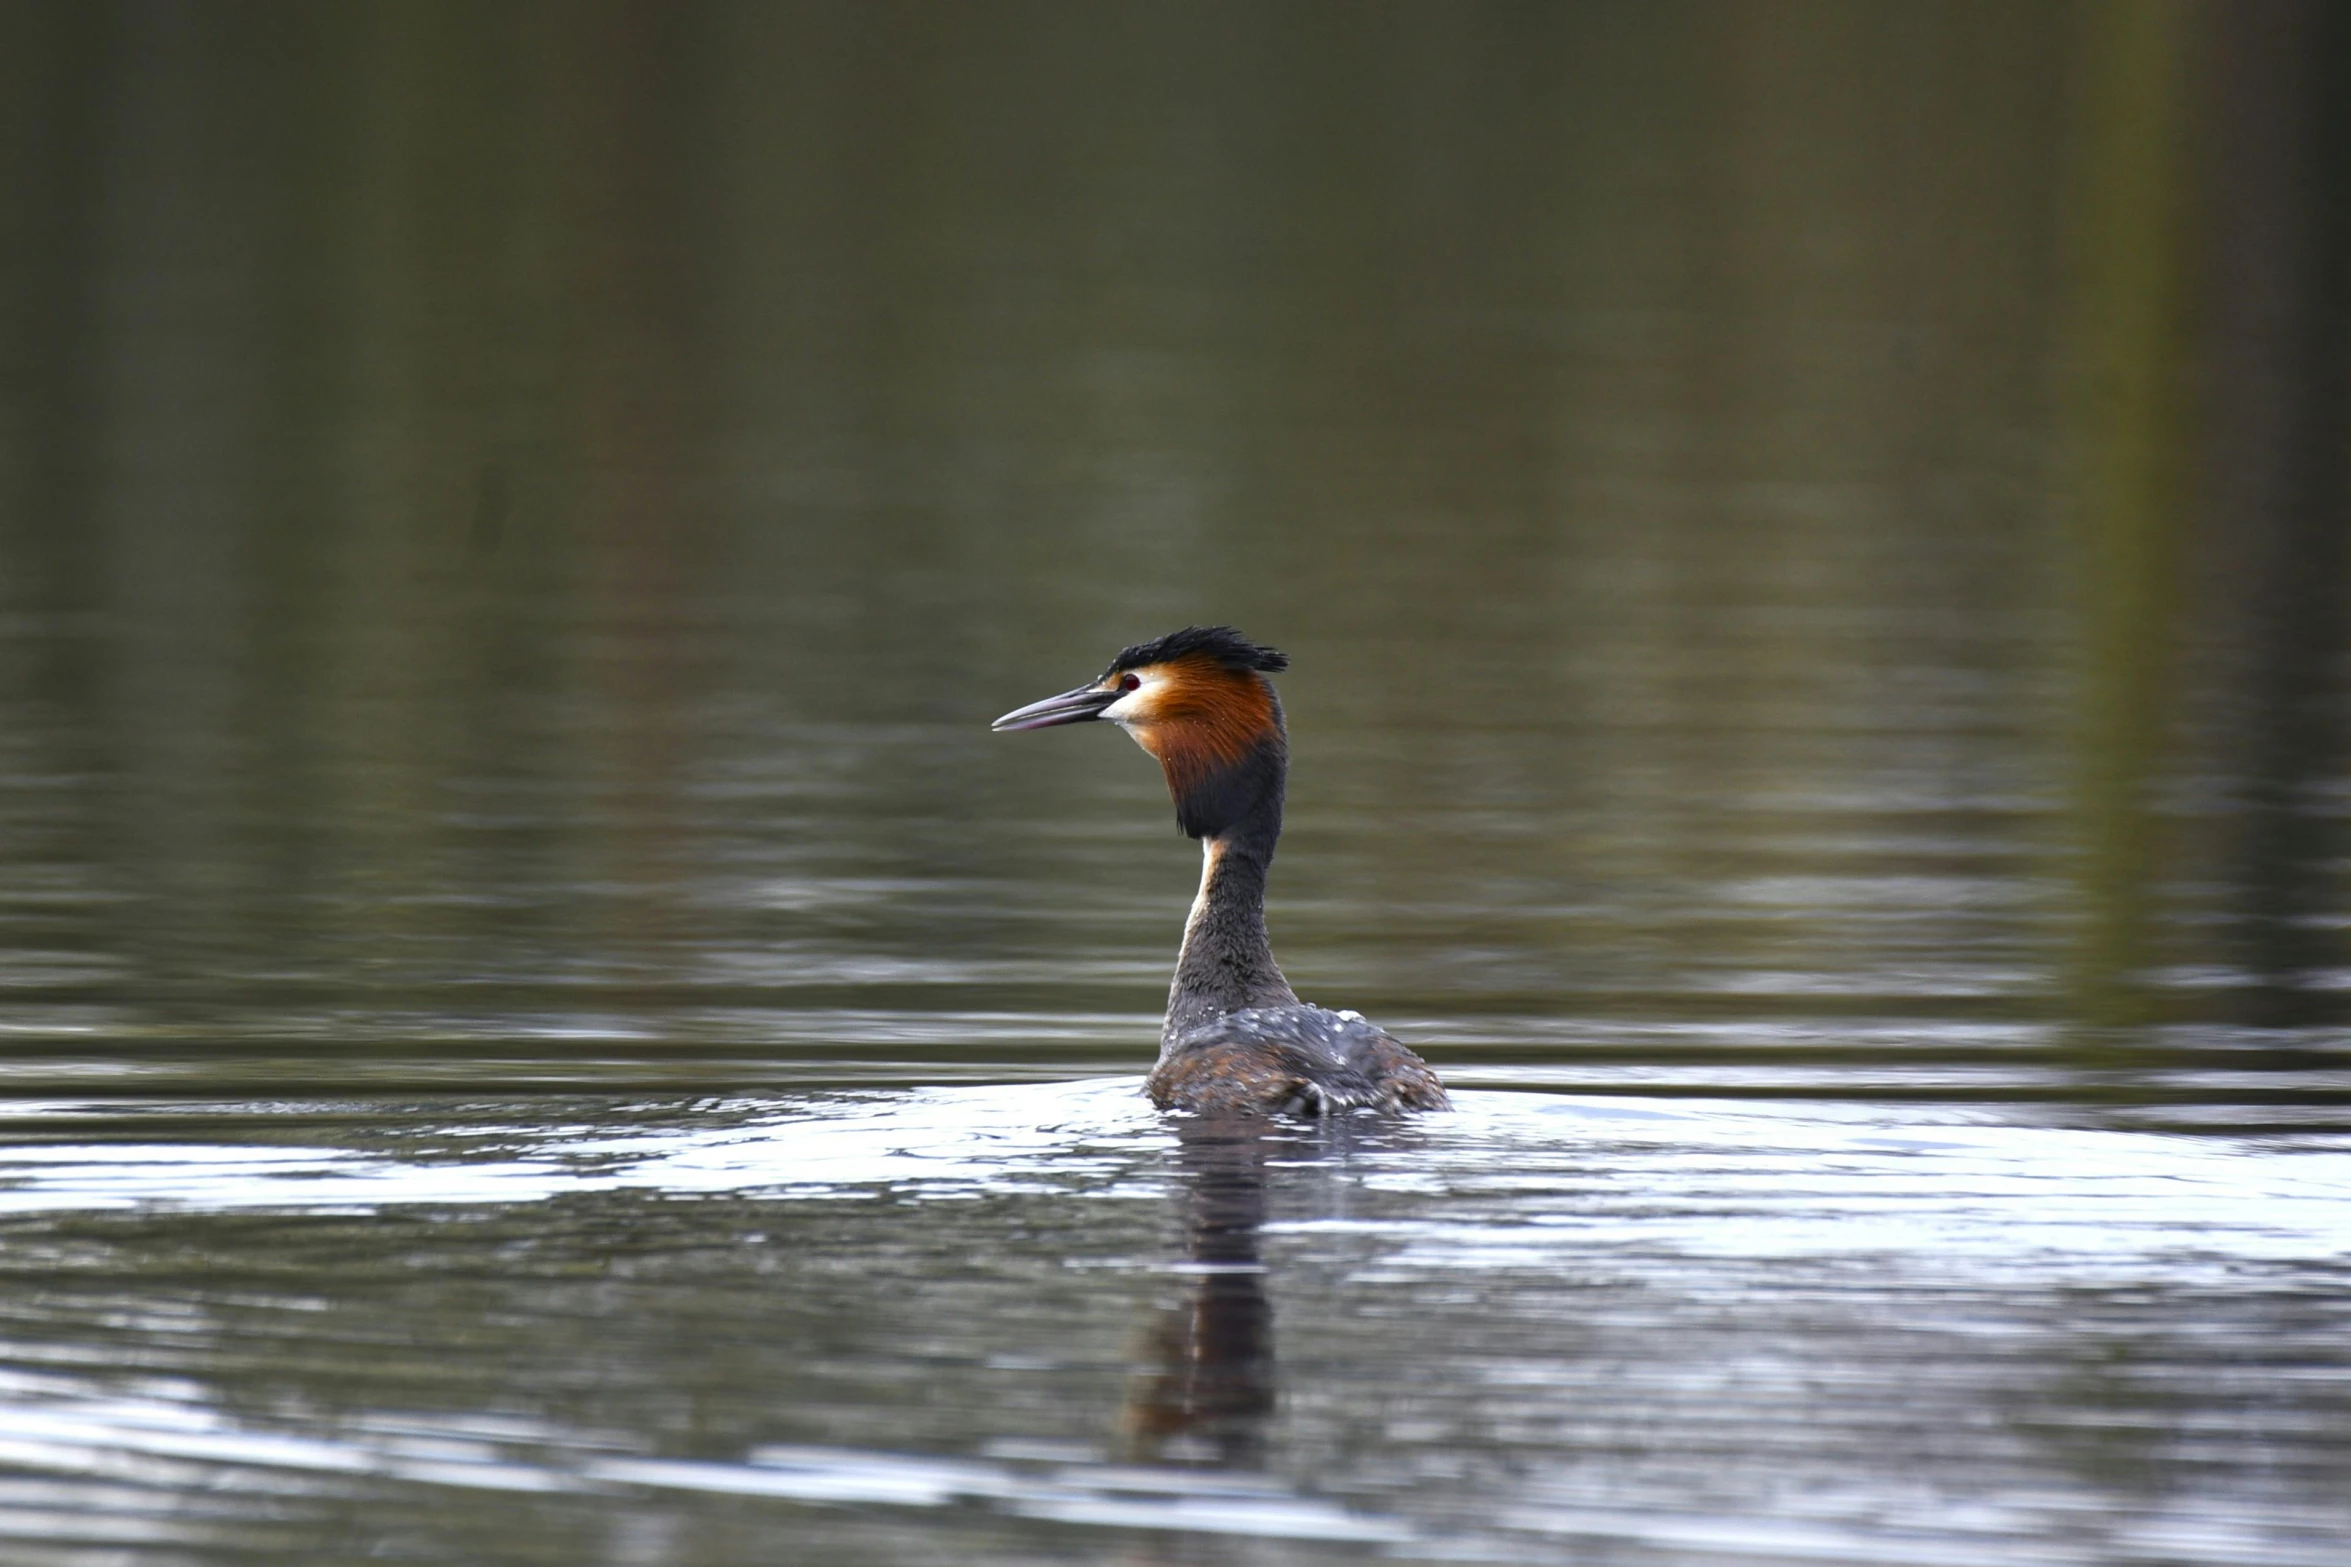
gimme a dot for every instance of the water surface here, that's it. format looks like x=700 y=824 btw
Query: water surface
x=1042 y=1323
x=537 y=1025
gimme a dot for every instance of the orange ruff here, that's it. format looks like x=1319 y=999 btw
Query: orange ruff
x=1203 y=719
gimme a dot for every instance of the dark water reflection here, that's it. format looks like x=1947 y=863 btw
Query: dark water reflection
x=509 y=517
x=1211 y=1386
x=540 y=1026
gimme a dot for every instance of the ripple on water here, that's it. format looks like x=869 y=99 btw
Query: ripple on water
x=1638 y=1330
x=1508 y=1174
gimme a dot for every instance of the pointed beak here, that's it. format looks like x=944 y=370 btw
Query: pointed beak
x=1071 y=707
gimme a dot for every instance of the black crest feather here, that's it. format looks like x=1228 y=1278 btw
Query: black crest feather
x=1222 y=643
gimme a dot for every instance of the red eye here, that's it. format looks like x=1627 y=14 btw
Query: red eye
x=1129 y=682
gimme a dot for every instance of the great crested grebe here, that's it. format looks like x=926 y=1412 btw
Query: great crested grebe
x=1237 y=1039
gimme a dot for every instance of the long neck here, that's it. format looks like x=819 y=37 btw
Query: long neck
x=1227 y=963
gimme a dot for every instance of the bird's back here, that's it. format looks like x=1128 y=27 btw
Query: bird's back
x=1291 y=1060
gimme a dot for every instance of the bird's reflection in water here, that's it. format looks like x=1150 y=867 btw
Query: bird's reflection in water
x=1206 y=1387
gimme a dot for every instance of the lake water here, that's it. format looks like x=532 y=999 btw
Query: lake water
x=538 y=1025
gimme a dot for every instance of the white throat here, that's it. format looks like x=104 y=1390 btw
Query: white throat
x=1211 y=850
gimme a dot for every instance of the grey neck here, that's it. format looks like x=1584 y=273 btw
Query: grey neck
x=1227 y=963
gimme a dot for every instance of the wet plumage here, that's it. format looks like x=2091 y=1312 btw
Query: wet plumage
x=1299 y=1060
x=1236 y=1039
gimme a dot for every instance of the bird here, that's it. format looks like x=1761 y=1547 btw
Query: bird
x=1236 y=1040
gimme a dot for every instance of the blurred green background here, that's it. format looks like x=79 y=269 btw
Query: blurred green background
x=1812 y=535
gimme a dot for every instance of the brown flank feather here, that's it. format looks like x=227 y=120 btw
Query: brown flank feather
x=1247 y=1077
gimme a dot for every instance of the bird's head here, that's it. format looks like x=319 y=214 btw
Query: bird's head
x=1198 y=700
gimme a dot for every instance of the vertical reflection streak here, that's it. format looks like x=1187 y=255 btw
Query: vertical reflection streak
x=2279 y=391
x=2132 y=411
x=1209 y=1389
